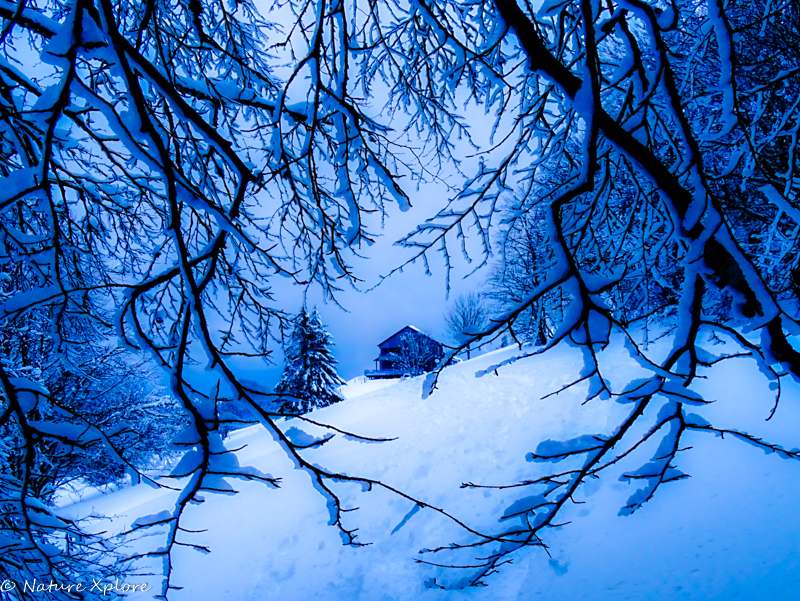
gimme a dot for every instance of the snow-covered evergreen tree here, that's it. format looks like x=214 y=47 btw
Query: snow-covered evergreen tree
x=309 y=379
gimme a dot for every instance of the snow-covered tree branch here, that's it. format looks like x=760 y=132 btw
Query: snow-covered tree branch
x=161 y=163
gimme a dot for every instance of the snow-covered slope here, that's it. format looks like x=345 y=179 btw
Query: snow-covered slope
x=361 y=385
x=730 y=531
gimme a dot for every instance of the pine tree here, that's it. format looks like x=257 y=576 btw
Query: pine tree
x=309 y=379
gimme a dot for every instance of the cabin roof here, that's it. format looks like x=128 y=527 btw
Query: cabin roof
x=402 y=330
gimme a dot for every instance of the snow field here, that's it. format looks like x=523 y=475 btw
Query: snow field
x=727 y=532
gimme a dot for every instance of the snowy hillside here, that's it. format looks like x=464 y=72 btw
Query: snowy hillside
x=361 y=385
x=729 y=531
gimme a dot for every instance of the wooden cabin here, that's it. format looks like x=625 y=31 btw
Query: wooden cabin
x=393 y=361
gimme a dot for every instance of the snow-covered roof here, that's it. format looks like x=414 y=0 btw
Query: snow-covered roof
x=400 y=331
